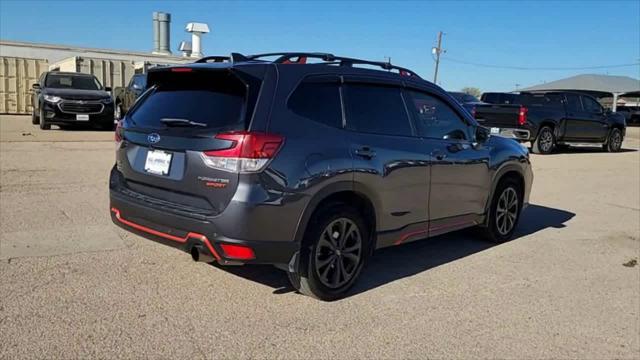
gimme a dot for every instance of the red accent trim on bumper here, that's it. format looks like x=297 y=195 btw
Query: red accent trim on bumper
x=190 y=235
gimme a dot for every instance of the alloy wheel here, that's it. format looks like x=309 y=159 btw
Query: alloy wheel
x=616 y=141
x=546 y=140
x=338 y=253
x=507 y=211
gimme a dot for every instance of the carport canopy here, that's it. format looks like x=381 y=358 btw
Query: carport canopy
x=599 y=86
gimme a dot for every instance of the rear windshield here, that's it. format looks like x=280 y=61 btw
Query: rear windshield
x=64 y=81
x=499 y=98
x=540 y=100
x=214 y=98
x=464 y=98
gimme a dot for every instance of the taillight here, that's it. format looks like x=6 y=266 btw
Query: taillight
x=181 y=70
x=522 y=115
x=238 y=252
x=119 y=132
x=248 y=152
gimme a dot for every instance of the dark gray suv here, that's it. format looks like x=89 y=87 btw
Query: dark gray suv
x=307 y=161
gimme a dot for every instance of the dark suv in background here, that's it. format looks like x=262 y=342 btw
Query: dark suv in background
x=68 y=98
x=309 y=162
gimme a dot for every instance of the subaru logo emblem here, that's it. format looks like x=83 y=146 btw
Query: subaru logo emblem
x=153 y=138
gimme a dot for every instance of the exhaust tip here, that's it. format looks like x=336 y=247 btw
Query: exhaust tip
x=199 y=254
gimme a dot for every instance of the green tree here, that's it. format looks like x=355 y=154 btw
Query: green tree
x=472 y=91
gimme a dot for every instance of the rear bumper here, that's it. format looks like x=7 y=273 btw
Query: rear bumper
x=184 y=233
x=513 y=133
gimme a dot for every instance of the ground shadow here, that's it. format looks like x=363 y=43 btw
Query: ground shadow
x=394 y=263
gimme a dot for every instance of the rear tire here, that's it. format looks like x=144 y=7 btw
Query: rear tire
x=335 y=251
x=504 y=212
x=43 y=123
x=545 y=142
x=614 y=141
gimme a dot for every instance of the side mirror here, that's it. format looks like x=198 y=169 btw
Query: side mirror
x=35 y=86
x=107 y=88
x=482 y=135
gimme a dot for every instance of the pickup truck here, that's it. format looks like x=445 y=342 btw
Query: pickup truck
x=125 y=97
x=553 y=119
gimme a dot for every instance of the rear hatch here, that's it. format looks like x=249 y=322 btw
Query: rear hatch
x=178 y=144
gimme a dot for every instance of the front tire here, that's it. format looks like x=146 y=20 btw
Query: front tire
x=337 y=245
x=43 y=123
x=545 y=142
x=117 y=113
x=34 y=117
x=504 y=212
x=614 y=142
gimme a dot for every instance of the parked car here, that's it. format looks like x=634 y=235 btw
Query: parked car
x=554 y=118
x=67 y=98
x=309 y=167
x=125 y=97
x=631 y=113
x=467 y=101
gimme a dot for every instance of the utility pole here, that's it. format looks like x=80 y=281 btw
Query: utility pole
x=437 y=51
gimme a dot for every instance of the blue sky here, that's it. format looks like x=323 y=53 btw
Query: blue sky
x=538 y=34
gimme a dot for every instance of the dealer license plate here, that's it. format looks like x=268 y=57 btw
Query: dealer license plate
x=158 y=162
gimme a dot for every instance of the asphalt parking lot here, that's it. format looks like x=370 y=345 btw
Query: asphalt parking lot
x=72 y=285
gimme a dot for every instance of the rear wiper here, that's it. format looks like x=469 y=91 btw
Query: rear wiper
x=181 y=122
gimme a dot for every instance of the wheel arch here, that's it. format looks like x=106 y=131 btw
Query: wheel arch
x=508 y=171
x=340 y=192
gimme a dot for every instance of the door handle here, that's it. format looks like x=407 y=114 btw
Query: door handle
x=365 y=152
x=439 y=155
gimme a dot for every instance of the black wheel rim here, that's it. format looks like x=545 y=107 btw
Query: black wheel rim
x=546 y=140
x=338 y=253
x=507 y=211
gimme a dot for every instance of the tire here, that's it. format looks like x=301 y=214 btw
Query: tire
x=500 y=228
x=35 y=120
x=545 y=142
x=337 y=230
x=117 y=114
x=43 y=123
x=614 y=141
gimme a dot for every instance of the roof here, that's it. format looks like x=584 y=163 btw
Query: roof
x=604 y=84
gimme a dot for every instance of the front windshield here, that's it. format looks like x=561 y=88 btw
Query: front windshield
x=80 y=82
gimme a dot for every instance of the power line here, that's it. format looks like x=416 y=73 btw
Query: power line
x=537 y=68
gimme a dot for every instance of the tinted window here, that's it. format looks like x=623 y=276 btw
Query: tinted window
x=436 y=119
x=318 y=101
x=573 y=103
x=139 y=82
x=591 y=105
x=64 y=81
x=376 y=109
x=216 y=99
x=541 y=100
x=499 y=98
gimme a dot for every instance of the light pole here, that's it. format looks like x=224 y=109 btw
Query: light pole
x=437 y=51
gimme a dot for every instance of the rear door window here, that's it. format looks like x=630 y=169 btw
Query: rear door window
x=214 y=98
x=436 y=119
x=318 y=99
x=376 y=109
x=541 y=100
x=573 y=103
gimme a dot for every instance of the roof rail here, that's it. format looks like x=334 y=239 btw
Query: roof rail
x=287 y=58
x=301 y=58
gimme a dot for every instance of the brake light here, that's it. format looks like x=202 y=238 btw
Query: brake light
x=118 y=132
x=238 y=252
x=522 y=115
x=248 y=152
x=181 y=69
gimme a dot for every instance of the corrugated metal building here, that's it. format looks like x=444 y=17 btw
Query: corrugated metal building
x=21 y=63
